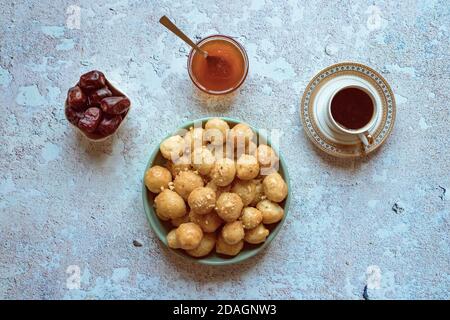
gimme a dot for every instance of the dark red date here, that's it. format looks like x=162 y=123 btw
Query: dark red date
x=98 y=95
x=76 y=98
x=90 y=120
x=73 y=116
x=115 y=105
x=109 y=125
x=92 y=80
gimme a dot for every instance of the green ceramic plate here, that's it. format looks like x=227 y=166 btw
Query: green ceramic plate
x=161 y=228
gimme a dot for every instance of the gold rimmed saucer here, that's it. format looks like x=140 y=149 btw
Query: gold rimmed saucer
x=314 y=107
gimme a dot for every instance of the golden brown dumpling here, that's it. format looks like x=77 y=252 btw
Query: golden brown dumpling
x=247 y=167
x=256 y=235
x=169 y=205
x=241 y=134
x=185 y=182
x=272 y=212
x=157 y=178
x=245 y=189
x=202 y=200
x=189 y=235
x=251 y=217
x=233 y=232
x=275 y=188
x=266 y=156
x=172 y=147
x=223 y=172
x=229 y=206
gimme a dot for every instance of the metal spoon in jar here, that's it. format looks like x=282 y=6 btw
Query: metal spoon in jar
x=169 y=25
x=218 y=65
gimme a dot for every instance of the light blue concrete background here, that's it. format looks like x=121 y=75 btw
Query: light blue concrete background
x=69 y=205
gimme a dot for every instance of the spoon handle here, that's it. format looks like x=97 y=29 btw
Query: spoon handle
x=169 y=25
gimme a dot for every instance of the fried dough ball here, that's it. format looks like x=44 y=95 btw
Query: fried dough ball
x=181 y=164
x=233 y=232
x=169 y=205
x=251 y=217
x=245 y=189
x=247 y=167
x=257 y=234
x=216 y=131
x=172 y=241
x=259 y=192
x=209 y=222
x=241 y=134
x=202 y=200
x=223 y=172
x=185 y=182
x=203 y=160
x=205 y=247
x=177 y=221
x=266 y=156
x=229 y=206
x=189 y=235
x=157 y=178
x=274 y=187
x=194 y=138
x=271 y=211
x=228 y=249
x=172 y=147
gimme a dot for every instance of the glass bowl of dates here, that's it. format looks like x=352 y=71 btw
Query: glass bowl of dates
x=95 y=107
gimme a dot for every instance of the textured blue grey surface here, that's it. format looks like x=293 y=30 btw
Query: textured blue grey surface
x=70 y=207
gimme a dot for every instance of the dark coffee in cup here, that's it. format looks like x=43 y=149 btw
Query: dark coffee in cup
x=352 y=108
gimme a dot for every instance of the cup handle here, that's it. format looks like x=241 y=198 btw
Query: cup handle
x=366 y=138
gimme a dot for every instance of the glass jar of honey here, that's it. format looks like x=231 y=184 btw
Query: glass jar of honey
x=225 y=68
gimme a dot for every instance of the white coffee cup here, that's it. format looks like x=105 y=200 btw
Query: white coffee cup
x=363 y=132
